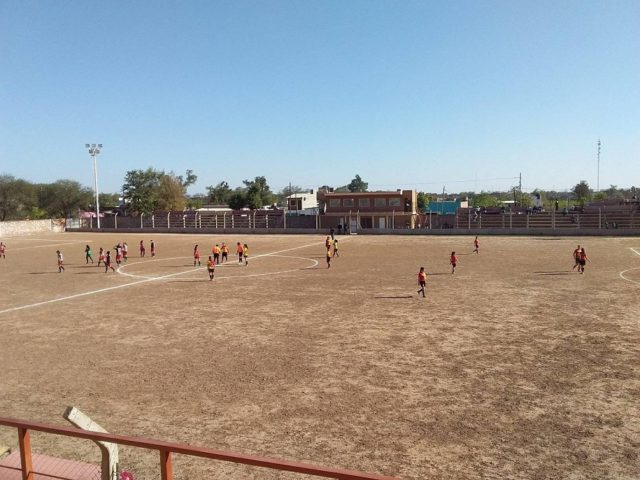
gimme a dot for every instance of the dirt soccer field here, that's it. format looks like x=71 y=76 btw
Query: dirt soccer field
x=514 y=367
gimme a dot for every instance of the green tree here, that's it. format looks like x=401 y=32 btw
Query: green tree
x=237 y=199
x=358 y=185
x=423 y=201
x=171 y=193
x=140 y=189
x=108 y=200
x=17 y=197
x=485 y=200
x=258 y=193
x=581 y=192
x=614 y=192
x=599 y=196
x=219 y=194
x=64 y=198
x=147 y=190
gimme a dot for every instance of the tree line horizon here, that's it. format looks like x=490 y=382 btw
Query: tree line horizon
x=146 y=191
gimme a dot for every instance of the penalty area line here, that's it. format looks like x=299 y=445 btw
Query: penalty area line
x=635 y=251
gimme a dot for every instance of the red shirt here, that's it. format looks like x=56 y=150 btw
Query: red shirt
x=422 y=277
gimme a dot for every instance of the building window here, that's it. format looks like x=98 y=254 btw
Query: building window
x=380 y=202
x=363 y=202
x=347 y=202
x=395 y=202
x=334 y=202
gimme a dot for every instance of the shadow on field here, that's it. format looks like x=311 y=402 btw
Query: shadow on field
x=394 y=296
x=558 y=272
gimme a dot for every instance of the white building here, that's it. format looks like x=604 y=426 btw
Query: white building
x=303 y=202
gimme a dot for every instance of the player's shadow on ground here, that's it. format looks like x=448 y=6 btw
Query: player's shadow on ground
x=557 y=272
x=429 y=274
x=393 y=296
x=42 y=273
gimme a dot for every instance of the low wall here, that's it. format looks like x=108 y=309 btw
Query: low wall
x=27 y=227
x=547 y=232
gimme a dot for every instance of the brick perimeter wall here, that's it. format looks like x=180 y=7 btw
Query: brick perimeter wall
x=27 y=227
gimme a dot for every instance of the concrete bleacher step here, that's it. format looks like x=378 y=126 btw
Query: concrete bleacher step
x=48 y=468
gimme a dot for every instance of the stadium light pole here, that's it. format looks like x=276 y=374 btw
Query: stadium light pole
x=94 y=151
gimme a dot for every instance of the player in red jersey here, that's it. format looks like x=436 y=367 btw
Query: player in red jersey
x=454 y=262
x=476 y=245
x=196 y=256
x=211 y=267
x=422 y=280
x=239 y=251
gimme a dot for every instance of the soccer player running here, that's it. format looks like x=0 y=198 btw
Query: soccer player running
x=335 y=247
x=245 y=254
x=329 y=258
x=101 y=257
x=125 y=251
x=422 y=281
x=88 y=254
x=143 y=250
x=240 y=252
x=476 y=245
x=196 y=256
x=576 y=258
x=225 y=252
x=211 y=267
x=582 y=260
x=153 y=249
x=453 y=260
x=60 y=261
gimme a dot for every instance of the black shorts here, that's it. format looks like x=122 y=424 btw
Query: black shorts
x=423 y=284
x=582 y=262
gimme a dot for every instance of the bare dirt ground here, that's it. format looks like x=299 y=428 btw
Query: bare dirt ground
x=514 y=367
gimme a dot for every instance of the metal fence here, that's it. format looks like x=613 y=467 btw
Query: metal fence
x=166 y=452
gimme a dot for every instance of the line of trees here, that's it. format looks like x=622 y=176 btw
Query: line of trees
x=20 y=199
x=146 y=191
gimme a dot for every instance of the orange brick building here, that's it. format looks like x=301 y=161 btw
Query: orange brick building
x=366 y=210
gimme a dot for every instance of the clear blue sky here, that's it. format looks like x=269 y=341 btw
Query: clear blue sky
x=405 y=93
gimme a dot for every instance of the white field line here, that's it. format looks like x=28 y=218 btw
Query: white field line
x=45 y=246
x=630 y=269
x=629 y=279
x=153 y=279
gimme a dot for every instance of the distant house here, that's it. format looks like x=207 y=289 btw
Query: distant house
x=303 y=203
x=445 y=207
x=363 y=210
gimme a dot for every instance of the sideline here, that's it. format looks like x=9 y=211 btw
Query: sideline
x=146 y=280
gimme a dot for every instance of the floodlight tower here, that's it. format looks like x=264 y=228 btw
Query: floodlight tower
x=94 y=151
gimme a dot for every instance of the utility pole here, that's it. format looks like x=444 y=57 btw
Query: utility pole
x=598 y=182
x=520 y=187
